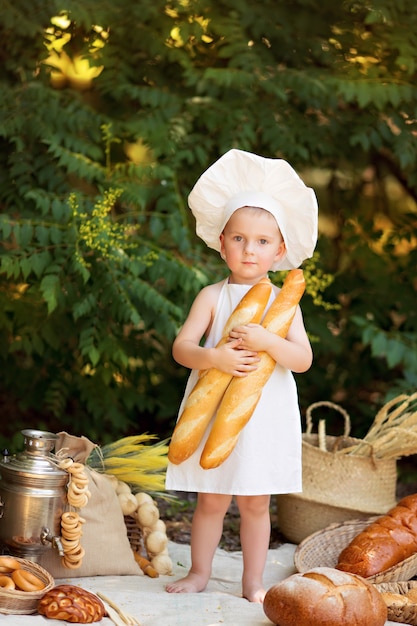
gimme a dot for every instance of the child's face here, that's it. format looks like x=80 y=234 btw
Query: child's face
x=250 y=244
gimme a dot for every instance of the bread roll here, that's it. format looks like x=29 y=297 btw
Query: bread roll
x=412 y=595
x=204 y=399
x=325 y=597
x=395 y=599
x=389 y=540
x=242 y=395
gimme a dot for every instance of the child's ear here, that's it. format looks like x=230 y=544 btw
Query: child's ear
x=281 y=252
x=222 y=250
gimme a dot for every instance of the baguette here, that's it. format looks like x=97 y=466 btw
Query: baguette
x=390 y=539
x=242 y=395
x=204 y=398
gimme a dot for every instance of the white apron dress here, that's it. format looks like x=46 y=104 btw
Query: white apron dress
x=267 y=456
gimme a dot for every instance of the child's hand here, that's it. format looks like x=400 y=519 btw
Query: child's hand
x=252 y=337
x=232 y=359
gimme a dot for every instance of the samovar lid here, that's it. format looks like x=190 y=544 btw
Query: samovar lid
x=36 y=457
x=39 y=441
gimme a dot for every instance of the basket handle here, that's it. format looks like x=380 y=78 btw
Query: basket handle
x=330 y=405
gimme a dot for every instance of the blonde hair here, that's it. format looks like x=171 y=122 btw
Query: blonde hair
x=256 y=210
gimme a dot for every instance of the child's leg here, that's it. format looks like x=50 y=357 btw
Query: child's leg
x=255 y=531
x=206 y=530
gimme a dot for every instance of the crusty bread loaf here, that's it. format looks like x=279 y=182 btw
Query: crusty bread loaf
x=324 y=597
x=251 y=307
x=386 y=542
x=242 y=394
x=280 y=314
x=204 y=399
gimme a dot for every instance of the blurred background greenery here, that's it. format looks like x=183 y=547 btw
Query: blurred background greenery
x=110 y=111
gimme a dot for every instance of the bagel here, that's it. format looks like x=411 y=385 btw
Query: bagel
x=78 y=490
x=70 y=519
x=6 y=582
x=71 y=564
x=8 y=564
x=26 y=581
x=75 y=468
x=66 y=463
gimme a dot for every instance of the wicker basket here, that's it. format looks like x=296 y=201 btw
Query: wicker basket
x=361 y=483
x=336 y=486
x=322 y=549
x=405 y=614
x=298 y=517
x=14 y=602
x=134 y=534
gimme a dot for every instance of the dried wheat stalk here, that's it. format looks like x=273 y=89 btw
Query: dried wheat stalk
x=393 y=433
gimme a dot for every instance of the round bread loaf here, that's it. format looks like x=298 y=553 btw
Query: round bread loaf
x=324 y=596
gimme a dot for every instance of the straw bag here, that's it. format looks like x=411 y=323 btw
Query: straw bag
x=336 y=486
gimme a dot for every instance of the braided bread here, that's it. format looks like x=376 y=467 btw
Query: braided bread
x=71 y=604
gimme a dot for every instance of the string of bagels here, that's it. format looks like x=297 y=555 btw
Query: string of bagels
x=234 y=398
x=15 y=577
x=72 y=523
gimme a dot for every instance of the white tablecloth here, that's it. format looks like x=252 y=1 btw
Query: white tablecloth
x=219 y=605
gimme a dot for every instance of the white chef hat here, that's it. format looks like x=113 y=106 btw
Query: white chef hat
x=241 y=179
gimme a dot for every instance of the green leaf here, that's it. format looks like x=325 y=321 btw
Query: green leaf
x=40 y=261
x=56 y=235
x=85 y=306
x=5 y=226
x=58 y=209
x=26 y=233
x=379 y=345
x=364 y=94
x=94 y=355
x=26 y=266
x=395 y=352
x=50 y=288
x=6 y=265
x=42 y=235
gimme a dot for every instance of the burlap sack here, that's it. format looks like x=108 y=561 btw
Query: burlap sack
x=105 y=539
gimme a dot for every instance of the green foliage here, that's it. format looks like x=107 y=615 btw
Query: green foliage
x=390 y=331
x=108 y=115
x=370 y=354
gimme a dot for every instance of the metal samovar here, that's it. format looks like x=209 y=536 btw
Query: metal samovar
x=32 y=498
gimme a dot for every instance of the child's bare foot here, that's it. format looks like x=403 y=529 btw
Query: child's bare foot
x=192 y=583
x=253 y=592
